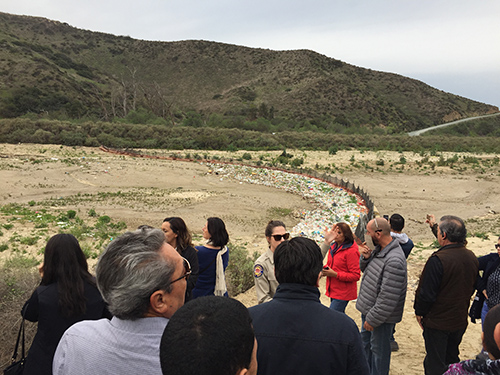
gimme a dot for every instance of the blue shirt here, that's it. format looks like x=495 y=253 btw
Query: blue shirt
x=105 y=347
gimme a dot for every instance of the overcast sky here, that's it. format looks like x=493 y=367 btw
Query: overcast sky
x=453 y=45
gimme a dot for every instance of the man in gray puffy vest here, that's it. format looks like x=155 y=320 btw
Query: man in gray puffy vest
x=382 y=293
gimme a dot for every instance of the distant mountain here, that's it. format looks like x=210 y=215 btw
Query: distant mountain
x=48 y=66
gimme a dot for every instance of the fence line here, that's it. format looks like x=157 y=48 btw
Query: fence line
x=333 y=180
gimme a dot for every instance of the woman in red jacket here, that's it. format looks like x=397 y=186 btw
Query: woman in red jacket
x=342 y=267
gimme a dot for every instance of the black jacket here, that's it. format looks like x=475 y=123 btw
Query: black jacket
x=43 y=308
x=296 y=334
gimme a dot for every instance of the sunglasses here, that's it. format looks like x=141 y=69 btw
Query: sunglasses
x=376 y=224
x=278 y=237
x=187 y=268
x=497 y=246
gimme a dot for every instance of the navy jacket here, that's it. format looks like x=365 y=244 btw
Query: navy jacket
x=296 y=334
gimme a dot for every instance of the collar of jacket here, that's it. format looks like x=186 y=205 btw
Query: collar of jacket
x=297 y=291
x=382 y=253
x=344 y=246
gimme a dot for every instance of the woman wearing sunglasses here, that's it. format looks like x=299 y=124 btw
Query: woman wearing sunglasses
x=178 y=236
x=212 y=260
x=342 y=267
x=263 y=270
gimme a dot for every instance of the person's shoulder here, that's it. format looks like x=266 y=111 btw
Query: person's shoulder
x=88 y=327
x=334 y=319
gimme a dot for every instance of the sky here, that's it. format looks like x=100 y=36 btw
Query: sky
x=452 y=45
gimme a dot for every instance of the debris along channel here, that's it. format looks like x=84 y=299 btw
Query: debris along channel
x=333 y=203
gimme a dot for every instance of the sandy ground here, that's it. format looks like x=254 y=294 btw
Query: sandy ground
x=159 y=188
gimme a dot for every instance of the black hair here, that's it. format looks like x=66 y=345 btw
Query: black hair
x=64 y=263
x=454 y=227
x=490 y=322
x=271 y=225
x=397 y=222
x=208 y=336
x=298 y=261
x=218 y=233
x=178 y=226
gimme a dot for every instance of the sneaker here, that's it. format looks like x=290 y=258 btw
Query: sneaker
x=394 y=346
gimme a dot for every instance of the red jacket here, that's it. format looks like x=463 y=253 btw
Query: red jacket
x=345 y=261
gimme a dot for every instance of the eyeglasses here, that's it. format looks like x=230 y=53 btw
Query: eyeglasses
x=187 y=268
x=376 y=224
x=278 y=237
x=497 y=246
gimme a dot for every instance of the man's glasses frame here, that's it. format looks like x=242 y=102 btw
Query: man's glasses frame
x=277 y=237
x=376 y=224
x=187 y=268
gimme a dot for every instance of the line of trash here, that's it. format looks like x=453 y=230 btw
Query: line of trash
x=333 y=203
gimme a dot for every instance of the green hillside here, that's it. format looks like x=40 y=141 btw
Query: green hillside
x=52 y=70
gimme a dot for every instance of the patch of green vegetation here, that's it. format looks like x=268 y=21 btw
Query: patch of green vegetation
x=240 y=269
x=481 y=235
x=21 y=261
x=279 y=212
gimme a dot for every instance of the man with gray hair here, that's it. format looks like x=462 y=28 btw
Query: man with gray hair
x=143 y=281
x=443 y=295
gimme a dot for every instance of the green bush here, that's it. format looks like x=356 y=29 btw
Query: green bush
x=239 y=272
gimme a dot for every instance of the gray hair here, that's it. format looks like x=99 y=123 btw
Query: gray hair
x=454 y=227
x=131 y=269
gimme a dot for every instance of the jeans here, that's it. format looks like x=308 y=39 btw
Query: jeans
x=441 y=349
x=338 y=305
x=484 y=311
x=377 y=346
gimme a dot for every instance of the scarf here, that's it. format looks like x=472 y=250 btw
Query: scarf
x=220 y=278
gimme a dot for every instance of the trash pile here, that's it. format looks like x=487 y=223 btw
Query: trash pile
x=333 y=203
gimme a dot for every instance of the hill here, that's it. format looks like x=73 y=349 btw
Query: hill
x=52 y=68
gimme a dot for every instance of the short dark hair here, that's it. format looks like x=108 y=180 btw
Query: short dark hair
x=298 y=261
x=178 y=226
x=207 y=336
x=490 y=322
x=397 y=222
x=454 y=227
x=271 y=225
x=218 y=233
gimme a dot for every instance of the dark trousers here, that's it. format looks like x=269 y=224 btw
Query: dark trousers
x=442 y=349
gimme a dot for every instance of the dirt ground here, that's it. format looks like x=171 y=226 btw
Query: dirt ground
x=159 y=188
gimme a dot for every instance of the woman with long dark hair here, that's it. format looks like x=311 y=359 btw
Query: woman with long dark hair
x=178 y=236
x=212 y=260
x=67 y=294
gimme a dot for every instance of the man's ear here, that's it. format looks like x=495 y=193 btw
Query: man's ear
x=158 y=302
x=496 y=334
x=243 y=371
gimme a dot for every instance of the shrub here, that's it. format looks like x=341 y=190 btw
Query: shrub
x=239 y=272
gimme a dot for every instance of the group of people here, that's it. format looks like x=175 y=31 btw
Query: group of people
x=142 y=312
x=442 y=299
x=134 y=281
